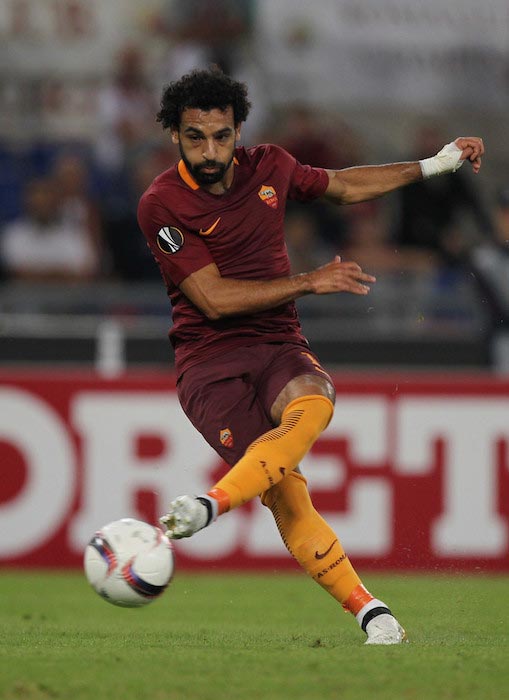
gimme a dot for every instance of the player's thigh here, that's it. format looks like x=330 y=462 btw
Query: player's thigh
x=225 y=410
x=302 y=385
x=292 y=372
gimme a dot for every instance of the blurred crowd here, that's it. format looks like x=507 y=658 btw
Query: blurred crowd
x=68 y=210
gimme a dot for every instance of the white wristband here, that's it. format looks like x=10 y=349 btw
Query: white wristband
x=446 y=161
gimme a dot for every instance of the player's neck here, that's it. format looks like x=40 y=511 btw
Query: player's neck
x=224 y=185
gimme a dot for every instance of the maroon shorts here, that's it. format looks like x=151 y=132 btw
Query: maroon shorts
x=229 y=398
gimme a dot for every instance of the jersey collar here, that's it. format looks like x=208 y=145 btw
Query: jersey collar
x=188 y=178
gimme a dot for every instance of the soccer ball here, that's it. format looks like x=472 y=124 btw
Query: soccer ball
x=129 y=562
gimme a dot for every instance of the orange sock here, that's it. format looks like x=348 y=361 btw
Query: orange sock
x=358 y=599
x=310 y=539
x=275 y=454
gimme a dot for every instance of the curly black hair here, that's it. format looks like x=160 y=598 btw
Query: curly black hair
x=203 y=89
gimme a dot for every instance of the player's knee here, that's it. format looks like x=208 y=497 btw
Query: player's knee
x=292 y=491
x=300 y=387
x=314 y=411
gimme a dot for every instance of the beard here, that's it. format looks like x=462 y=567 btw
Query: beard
x=203 y=178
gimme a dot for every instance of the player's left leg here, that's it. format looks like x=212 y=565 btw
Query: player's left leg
x=266 y=462
x=313 y=543
x=306 y=534
x=296 y=395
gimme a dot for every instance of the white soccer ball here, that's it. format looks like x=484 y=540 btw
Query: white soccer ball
x=129 y=562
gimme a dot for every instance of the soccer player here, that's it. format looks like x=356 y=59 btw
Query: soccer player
x=247 y=378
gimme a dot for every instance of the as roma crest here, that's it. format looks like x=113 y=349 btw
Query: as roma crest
x=268 y=195
x=226 y=437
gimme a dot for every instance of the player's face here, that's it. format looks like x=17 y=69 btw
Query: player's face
x=206 y=141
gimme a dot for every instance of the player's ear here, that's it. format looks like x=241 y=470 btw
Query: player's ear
x=174 y=135
x=237 y=132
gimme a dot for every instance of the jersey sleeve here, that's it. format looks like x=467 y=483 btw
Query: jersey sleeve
x=178 y=251
x=306 y=182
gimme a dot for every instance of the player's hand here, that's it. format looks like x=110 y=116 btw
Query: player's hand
x=453 y=155
x=472 y=148
x=339 y=276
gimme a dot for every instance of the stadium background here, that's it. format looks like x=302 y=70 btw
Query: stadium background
x=414 y=470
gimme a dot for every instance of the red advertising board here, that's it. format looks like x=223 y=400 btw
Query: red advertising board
x=412 y=472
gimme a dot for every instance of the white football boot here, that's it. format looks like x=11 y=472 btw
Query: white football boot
x=188 y=514
x=385 y=629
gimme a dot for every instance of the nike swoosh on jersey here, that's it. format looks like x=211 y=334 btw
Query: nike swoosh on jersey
x=209 y=230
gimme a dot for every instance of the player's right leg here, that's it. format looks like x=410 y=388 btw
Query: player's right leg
x=214 y=399
x=312 y=542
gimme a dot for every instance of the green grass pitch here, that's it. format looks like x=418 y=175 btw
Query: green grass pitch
x=251 y=637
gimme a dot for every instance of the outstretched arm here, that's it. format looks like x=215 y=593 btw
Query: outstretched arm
x=219 y=297
x=362 y=183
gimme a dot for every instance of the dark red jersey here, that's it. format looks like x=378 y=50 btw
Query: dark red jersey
x=241 y=231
